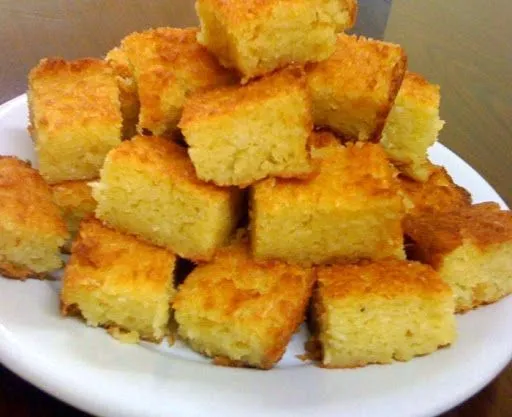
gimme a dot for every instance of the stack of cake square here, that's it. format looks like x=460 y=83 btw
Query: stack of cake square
x=288 y=161
x=313 y=199
x=75 y=119
x=32 y=230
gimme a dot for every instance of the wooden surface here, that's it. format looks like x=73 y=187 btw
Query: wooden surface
x=464 y=45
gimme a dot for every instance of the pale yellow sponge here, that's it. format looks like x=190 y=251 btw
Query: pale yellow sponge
x=258 y=36
x=148 y=187
x=75 y=117
x=118 y=282
x=412 y=126
x=238 y=135
x=240 y=312
x=354 y=90
x=471 y=248
x=32 y=230
x=168 y=64
x=348 y=209
x=376 y=312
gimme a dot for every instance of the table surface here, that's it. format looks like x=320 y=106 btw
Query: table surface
x=463 y=45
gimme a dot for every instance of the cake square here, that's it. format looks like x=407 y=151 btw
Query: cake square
x=168 y=64
x=353 y=91
x=256 y=37
x=74 y=199
x=438 y=193
x=240 y=312
x=376 y=312
x=471 y=248
x=148 y=187
x=238 y=135
x=128 y=95
x=31 y=227
x=349 y=209
x=118 y=282
x=412 y=126
x=75 y=117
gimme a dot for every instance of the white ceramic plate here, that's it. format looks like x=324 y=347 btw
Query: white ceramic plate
x=90 y=370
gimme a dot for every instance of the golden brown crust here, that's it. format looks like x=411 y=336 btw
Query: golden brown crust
x=366 y=72
x=353 y=10
x=119 y=62
x=386 y=278
x=236 y=290
x=225 y=100
x=238 y=135
x=70 y=195
x=375 y=64
x=237 y=278
x=439 y=193
x=238 y=12
x=110 y=272
x=168 y=64
x=75 y=116
x=251 y=37
x=374 y=179
x=31 y=227
x=323 y=139
x=476 y=303
x=416 y=87
x=49 y=67
x=10 y=270
x=438 y=234
x=265 y=365
x=175 y=49
x=225 y=361
x=351 y=187
x=27 y=200
x=61 y=96
x=348 y=289
x=394 y=87
x=99 y=247
x=163 y=158
x=313 y=348
x=128 y=95
x=74 y=198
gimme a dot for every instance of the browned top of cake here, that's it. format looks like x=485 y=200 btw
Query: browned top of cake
x=26 y=200
x=323 y=139
x=225 y=100
x=237 y=12
x=386 y=278
x=119 y=62
x=234 y=287
x=116 y=262
x=438 y=234
x=73 y=194
x=60 y=93
x=438 y=193
x=163 y=158
x=415 y=86
x=363 y=65
x=350 y=175
x=177 y=49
